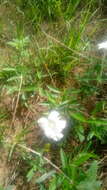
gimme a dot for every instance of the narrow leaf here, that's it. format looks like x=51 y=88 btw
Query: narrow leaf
x=45 y=176
x=82 y=157
x=79 y=116
x=63 y=158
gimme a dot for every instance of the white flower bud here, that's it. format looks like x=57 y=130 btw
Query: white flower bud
x=53 y=125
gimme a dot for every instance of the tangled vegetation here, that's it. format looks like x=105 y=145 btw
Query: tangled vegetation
x=49 y=60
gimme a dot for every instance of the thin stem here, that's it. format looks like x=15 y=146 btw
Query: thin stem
x=86 y=54
x=17 y=101
x=47 y=160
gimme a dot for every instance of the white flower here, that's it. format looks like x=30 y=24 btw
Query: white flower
x=102 y=45
x=53 y=125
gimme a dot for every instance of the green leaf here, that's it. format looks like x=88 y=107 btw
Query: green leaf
x=9 y=69
x=30 y=174
x=55 y=90
x=42 y=187
x=29 y=89
x=92 y=171
x=79 y=116
x=63 y=159
x=91 y=182
x=13 y=78
x=45 y=176
x=89 y=185
x=99 y=107
x=53 y=185
x=91 y=134
x=80 y=133
x=97 y=121
x=65 y=103
x=78 y=161
x=11 y=151
x=82 y=158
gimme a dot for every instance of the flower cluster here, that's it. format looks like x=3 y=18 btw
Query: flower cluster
x=53 y=125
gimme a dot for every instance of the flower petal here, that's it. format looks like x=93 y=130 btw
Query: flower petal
x=60 y=125
x=59 y=136
x=53 y=115
x=43 y=122
x=48 y=128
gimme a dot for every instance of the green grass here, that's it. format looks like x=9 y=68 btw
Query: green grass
x=53 y=63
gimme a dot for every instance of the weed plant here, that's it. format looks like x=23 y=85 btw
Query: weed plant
x=58 y=64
